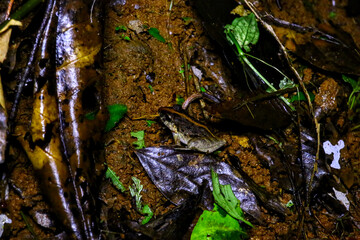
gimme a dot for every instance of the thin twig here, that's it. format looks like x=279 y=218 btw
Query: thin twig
x=91 y=11
x=25 y=75
x=145 y=117
x=9 y=9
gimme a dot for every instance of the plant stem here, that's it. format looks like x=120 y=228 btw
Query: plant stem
x=244 y=59
x=22 y=11
x=267 y=64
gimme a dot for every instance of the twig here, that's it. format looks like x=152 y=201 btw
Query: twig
x=91 y=11
x=22 y=81
x=28 y=225
x=9 y=9
x=145 y=117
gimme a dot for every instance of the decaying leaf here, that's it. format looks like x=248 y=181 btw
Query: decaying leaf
x=5 y=34
x=61 y=143
x=180 y=174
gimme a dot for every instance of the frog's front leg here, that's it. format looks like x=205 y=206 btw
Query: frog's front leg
x=176 y=138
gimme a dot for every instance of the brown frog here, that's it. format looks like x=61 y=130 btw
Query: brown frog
x=185 y=130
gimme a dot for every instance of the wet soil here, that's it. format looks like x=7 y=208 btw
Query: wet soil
x=145 y=74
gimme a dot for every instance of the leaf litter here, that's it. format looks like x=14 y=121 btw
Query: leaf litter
x=307 y=150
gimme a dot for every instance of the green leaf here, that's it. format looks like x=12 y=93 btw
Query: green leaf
x=140 y=143
x=245 y=30
x=202 y=89
x=226 y=199
x=114 y=179
x=116 y=111
x=91 y=115
x=149 y=122
x=156 y=34
x=217 y=225
x=332 y=14
x=151 y=89
x=149 y=214
x=179 y=100
x=352 y=82
x=121 y=27
x=289 y=204
x=300 y=96
x=126 y=38
x=186 y=19
x=182 y=71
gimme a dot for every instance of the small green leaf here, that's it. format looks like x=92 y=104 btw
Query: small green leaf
x=126 y=38
x=179 y=100
x=332 y=14
x=149 y=122
x=226 y=199
x=91 y=115
x=149 y=214
x=354 y=98
x=300 y=96
x=121 y=27
x=182 y=71
x=156 y=34
x=202 y=89
x=140 y=143
x=245 y=30
x=114 y=179
x=116 y=111
x=217 y=225
x=187 y=20
x=151 y=89
x=289 y=204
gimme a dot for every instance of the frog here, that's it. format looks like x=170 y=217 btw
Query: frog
x=194 y=135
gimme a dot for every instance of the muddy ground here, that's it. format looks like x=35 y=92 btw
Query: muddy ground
x=145 y=74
